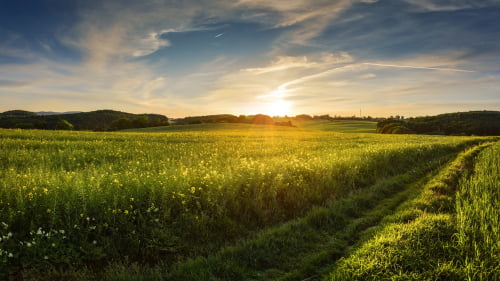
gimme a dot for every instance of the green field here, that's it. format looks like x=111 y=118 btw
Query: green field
x=339 y=126
x=320 y=201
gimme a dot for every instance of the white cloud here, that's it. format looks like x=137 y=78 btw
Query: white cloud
x=450 y=5
x=307 y=17
x=418 y=67
x=283 y=63
x=149 y=45
x=367 y=76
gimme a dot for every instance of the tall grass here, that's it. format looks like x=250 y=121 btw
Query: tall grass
x=478 y=218
x=433 y=238
x=83 y=199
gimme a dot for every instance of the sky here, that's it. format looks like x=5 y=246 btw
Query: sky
x=199 y=57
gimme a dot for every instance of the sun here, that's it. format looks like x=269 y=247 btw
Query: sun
x=278 y=107
x=275 y=104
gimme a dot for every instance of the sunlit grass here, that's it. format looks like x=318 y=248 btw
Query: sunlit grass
x=437 y=236
x=84 y=199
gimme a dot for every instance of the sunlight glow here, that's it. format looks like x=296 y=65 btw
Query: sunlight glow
x=275 y=103
x=278 y=107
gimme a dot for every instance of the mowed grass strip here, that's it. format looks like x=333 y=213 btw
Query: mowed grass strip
x=421 y=241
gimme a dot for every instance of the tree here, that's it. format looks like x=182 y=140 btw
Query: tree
x=303 y=117
x=121 y=124
x=141 y=121
x=64 y=125
x=262 y=119
x=40 y=124
x=24 y=126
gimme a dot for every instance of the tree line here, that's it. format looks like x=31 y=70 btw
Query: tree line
x=479 y=123
x=100 y=120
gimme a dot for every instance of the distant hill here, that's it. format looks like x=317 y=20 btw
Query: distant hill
x=480 y=123
x=18 y=113
x=100 y=120
x=56 y=113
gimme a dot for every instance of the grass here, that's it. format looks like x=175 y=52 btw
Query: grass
x=478 y=218
x=339 y=126
x=78 y=205
x=428 y=238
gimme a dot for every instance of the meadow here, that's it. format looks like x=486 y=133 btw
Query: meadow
x=232 y=201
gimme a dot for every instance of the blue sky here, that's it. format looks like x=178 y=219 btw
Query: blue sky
x=182 y=58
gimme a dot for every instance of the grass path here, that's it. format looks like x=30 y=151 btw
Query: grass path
x=423 y=239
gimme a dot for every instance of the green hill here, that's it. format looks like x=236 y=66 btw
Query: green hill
x=480 y=123
x=100 y=120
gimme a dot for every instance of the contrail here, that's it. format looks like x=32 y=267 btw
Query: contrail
x=219 y=35
x=418 y=67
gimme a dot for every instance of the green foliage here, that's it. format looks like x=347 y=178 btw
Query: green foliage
x=100 y=120
x=481 y=123
x=25 y=126
x=64 y=125
x=40 y=124
x=220 y=118
x=392 y=126
x=121 y=124
x=18 y=113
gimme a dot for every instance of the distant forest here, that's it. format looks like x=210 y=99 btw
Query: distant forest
x=100 y=120
x=479 y=123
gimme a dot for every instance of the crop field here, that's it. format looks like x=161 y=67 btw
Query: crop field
x=242 y=202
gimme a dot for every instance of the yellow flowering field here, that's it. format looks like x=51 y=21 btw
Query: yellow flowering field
x=72 y=199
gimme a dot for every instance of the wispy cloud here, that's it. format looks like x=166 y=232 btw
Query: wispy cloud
x=451 y=5
x=418 y=67
x=321 y=60
x=307 y=18
x=12 y=83
x=150 y=44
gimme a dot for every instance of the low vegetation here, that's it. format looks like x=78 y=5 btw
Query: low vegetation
x=450 y=231
x=240 y=202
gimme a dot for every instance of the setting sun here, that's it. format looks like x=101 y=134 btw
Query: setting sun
x=279 y=107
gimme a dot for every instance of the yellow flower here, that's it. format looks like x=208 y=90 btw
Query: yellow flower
x=125 y=212
x=49 y=210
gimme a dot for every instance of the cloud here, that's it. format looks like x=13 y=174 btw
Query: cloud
x=367 y=76
x=418 y=67
x=285 y=80
x=306 y=18
x=113 y=36
x=283 y=63
x=449 y=61
x=12 y=83
x=450 y=5
x=149 y=44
